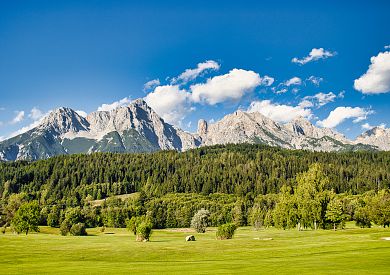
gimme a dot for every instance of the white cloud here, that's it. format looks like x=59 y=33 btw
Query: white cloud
x=315 y=54
x=108 y=107
x=321 y=99
x=267 y=80
x=387 y=47
x=293 y=81
x=279 y=112
x=18 y=118
x=2 y=138
x=367 y=126
x=191 y=74
x=81 y=113
x=230 y=86
x=306 y=104
x=315 y=80
x=340 y=114
x=377 y=78
x=170 y=102
x=151 y=84
x=35 y=114
x=281 y=91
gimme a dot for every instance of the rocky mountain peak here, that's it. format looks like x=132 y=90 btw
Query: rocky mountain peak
x=63 y=120
x=376 y=131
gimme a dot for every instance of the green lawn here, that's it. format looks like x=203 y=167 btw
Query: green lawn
x=349 y=251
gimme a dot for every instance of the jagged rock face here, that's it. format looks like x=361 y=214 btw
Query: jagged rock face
x=137 y=128
x=377 y=136
x=241 y=127
x=133 y=128
x=254 y=127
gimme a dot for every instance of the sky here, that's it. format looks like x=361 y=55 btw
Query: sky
x=328 y=61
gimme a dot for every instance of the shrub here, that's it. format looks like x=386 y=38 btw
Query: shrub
x=200 y=220
x=144 y=230
x=78 y=229
x=65 y=227
x=226 y=231
x=131 y=224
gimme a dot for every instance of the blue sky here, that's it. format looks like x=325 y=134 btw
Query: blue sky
x=83 y=54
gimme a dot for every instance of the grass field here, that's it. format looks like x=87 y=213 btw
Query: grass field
x=349 y=251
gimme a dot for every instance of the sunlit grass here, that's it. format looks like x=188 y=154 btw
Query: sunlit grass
x=353 y=250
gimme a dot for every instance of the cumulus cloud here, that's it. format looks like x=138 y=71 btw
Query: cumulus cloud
x=279 y=112
x=315 y=80
x=377 y=78
x=230 y=86
x=315 y=54
x=293 y=81
x=18 y=117
x=81 y=113
x=191 y=74
x=151 y=84
x=108 y=107
x=35 y=113
x=367 y=126
x=170 y=102
x=387 y=47
x=340 y=114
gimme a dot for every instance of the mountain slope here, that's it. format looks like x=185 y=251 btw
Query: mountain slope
x=133 y=128
x=137 y=128
x=377 y=136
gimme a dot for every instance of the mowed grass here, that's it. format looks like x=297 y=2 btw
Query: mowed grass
x=348 y=251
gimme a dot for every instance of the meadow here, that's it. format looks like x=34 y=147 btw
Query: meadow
x=268 y=251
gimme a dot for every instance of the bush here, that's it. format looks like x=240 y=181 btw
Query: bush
x=226 y=231
x=144 y=230
x=65 y=228
x=131 y=224
x=78 y=229
x=200 y=221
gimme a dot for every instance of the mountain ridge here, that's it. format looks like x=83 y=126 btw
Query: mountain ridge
x=138 y=128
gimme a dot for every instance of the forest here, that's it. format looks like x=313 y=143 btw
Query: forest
x=245 y=184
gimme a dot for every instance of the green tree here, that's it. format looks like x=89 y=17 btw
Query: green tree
x=380 y=208
x=310 y=197
x=200 y=220
x=27 y=218
x=334 y=212
x=285 y=214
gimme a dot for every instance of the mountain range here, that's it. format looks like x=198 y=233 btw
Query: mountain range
x=137 y=128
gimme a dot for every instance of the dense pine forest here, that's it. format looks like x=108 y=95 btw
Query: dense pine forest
x=247 y=184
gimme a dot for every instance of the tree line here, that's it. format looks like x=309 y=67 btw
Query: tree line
x=241 y=184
